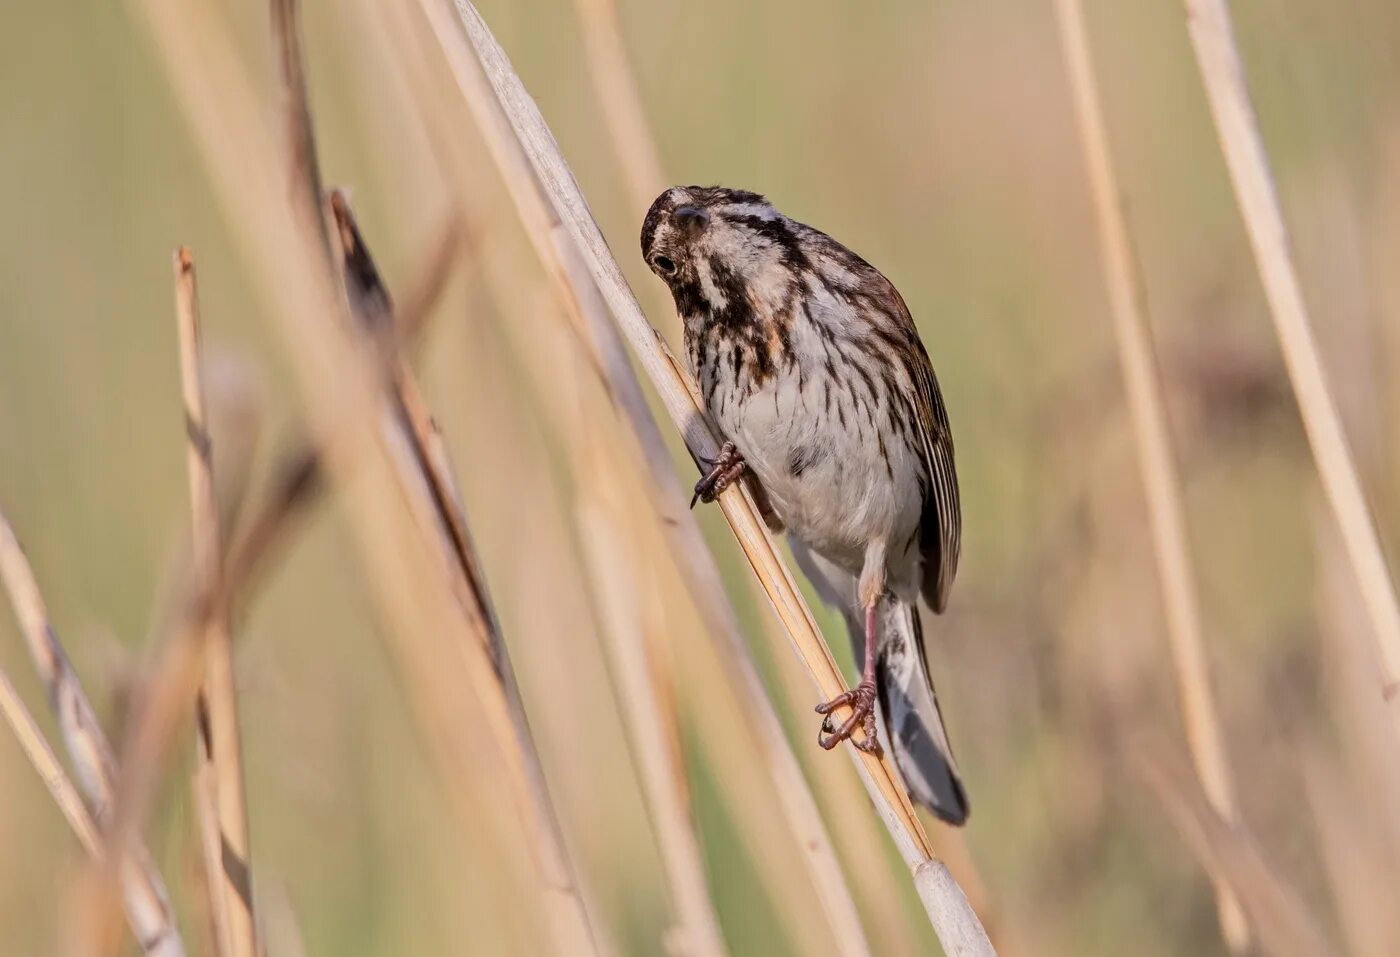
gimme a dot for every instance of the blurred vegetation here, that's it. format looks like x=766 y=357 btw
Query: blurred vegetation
x=935 y=138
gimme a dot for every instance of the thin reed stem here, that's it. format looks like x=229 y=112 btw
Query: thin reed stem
x=1156 y=463
x=623 y=113
x=36 y=749
x=143 y=891
x=1222 y=72
x=218 y=749
x=647 y=692
x=947 y=907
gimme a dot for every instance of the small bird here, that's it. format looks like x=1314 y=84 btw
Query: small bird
x=809 y=363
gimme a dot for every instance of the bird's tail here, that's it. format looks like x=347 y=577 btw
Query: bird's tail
x=909 y=709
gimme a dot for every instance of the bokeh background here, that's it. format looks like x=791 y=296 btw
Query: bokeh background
x=935 y=138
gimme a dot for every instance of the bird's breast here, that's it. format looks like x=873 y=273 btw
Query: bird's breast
x=831 y=477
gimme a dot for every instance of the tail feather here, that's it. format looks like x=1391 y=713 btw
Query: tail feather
x=913 y=722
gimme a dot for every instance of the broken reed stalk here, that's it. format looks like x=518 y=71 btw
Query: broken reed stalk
x=456 y=693
x=368 y=294
x=583 y=305
x=218 y=773
x=144 y=895
x=1222 y=72
x=372 y=306
x=299 y=475
x=945 y=904
x=1156 y=462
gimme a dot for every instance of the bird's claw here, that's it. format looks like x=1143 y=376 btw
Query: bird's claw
x=719 y=475
x=861 y=701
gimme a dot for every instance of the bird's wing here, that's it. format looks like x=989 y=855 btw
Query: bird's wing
x=940 y=526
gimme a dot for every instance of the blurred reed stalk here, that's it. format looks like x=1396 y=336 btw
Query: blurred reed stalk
x=398 y=530
x=372 y=303
x=615 y=90
x=1277 y=913
x=646 y=688
x=218 y=774
x=584 y=307
x=1222 y=72
x=143 y=891
x=945 y=903
x=1156 y=462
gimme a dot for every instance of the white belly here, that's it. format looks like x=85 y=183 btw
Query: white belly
x=826 y=473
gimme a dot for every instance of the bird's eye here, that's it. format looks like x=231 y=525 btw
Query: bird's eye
x=664 y=265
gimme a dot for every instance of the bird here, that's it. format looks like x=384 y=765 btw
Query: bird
x=808 y=362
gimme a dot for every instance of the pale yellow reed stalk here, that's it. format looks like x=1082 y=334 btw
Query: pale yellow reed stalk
x=947 y=907
x=1156 y=463
x=146 y=901
x=218 y=774
x=582 y=304
x=1222 y=72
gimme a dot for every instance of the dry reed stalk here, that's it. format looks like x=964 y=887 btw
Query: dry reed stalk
x=299 y=475
x=1222 y=73
x=646 y=689
x=571 y=924
x=456 y=692
x=1277 y=913
x=583 y=306
x=144 y=895
x=1156 y=463
x=368 y=292
x=1361 y=847
x=747 y=789
x=1359 y=869
x=36 y=749
x=509 y=117
x=218 y=784
x=60 y=786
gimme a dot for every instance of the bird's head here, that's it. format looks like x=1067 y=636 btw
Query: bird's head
x=716 y=247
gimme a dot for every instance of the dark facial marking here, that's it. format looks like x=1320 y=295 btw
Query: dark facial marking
x=779 y=234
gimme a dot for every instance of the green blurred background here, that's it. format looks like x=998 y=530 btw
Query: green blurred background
x=936 y=138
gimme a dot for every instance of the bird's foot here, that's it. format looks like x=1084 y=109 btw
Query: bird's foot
x=721 y=474
x=861 y=701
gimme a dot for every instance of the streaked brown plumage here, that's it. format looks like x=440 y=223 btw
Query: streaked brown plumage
x=810 y=364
